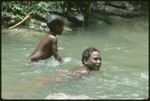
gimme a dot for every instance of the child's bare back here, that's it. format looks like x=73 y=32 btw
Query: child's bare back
x=48 y=45
x=43 y=49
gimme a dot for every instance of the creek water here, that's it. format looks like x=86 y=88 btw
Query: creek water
x=123 y=74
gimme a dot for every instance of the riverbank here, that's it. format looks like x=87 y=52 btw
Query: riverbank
x=77 y=14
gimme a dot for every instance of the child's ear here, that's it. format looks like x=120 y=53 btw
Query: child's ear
x=85 y=62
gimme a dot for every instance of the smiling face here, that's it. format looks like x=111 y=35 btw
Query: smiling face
x=94 y=61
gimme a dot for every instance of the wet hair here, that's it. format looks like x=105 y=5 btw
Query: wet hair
x=87 y=52
x=53 y=21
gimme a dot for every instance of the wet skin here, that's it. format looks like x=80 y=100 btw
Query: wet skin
x=94 y=62
x=47 y=46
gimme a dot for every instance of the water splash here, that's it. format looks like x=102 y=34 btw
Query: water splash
x=29 y=73
x=47 y=63
x=55 y=63
x=65 y=96
x=144 y=76
x=60 y=48
x=67 y=59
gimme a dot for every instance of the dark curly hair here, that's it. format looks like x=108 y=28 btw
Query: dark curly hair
x=53 y=21
x=87 y=52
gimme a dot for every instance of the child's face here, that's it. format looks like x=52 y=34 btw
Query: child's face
x=59 y=29
x=94 y=62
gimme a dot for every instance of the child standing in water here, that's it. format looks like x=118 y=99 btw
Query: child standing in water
x=47 y=47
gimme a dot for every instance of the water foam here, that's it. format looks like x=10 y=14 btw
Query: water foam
x=67 y=59
x=28 y=73
x=144 y=76
x=65 y=96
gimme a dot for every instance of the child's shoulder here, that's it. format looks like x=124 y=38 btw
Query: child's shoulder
x=52 y=37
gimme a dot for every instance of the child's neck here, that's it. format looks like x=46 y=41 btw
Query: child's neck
x=52 y=33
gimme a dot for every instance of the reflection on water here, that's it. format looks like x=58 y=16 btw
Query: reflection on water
x=123 y=75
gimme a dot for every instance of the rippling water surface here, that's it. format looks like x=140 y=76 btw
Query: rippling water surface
x=123 y=75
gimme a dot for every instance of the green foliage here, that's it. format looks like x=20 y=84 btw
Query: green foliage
x=68 y=7
x=24 y=7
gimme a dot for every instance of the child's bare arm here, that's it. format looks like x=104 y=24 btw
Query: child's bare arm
x=55 y=50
